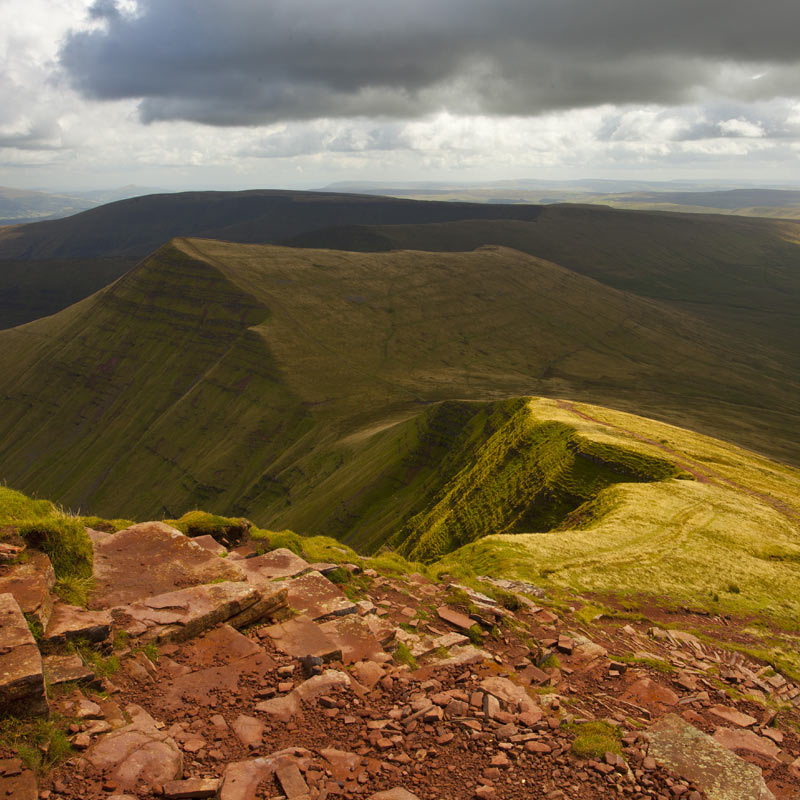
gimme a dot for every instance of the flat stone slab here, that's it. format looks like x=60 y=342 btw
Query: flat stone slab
x=150 y=559
x=694 y=755
x=248 y=730
x=191 y=789
x=747 y=741
x=220 y=646
x=70 y=623
x=398 y=793
x=453 y=617
x=66 y=669
x=300 y=636
x=354 y=638
x=241 y=779
x=314 y=595
x=650 y=694
x=185 y=613
x=16 y=781
x=202 y=687
x=31 y=584
x=732 y=716
x=21 y=672
x=425 y=645
x=279 y=563
x=137 y=753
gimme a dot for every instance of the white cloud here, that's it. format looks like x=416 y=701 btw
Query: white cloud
x=51 y=136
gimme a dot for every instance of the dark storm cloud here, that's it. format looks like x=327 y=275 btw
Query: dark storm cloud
x=253 y=61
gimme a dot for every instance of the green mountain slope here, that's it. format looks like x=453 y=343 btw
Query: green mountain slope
x=740 y=275
x=305 y=388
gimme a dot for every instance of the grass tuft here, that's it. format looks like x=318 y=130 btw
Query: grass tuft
x=595 y=739
x=403 y=655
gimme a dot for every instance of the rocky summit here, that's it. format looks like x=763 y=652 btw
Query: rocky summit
x=243 y=673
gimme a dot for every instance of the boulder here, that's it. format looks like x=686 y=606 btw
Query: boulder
x=150 y=559
x=21 y=672
x=695 y=756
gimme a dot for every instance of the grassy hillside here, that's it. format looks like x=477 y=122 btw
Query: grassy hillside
x=740 y=275
x=728 y=540
x=304 y=389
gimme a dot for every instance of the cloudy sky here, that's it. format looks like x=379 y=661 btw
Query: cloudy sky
x=246 y=93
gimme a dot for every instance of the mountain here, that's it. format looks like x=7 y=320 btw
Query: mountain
x=338 y=392
x=46 y=266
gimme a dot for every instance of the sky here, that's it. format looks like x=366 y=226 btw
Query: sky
x=301 y=93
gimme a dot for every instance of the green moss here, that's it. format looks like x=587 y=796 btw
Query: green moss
x=17 y=507
x=402 y=655
x=74 y=590
x=103 y=666
x=594 y=739
x=226 y=530
x=550 y=662
x=106 y=525
x=150 y=650
x=272 y=540
x=475 y=635
x=657 y=664
x=35 y=626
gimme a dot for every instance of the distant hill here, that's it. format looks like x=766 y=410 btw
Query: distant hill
x=680 y=196
x=338 y=392
x=18 y=206
x=46 y=266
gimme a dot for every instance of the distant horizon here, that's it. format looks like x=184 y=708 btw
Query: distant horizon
x=689 y=185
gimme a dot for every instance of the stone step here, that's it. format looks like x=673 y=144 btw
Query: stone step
x=71 y=624
x=21 y=672
x=186 y=613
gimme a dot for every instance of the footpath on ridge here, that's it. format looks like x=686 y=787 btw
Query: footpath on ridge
x=202 y=671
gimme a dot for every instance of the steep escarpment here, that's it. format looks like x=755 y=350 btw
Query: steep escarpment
x=526 y=477
x=125 y=393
